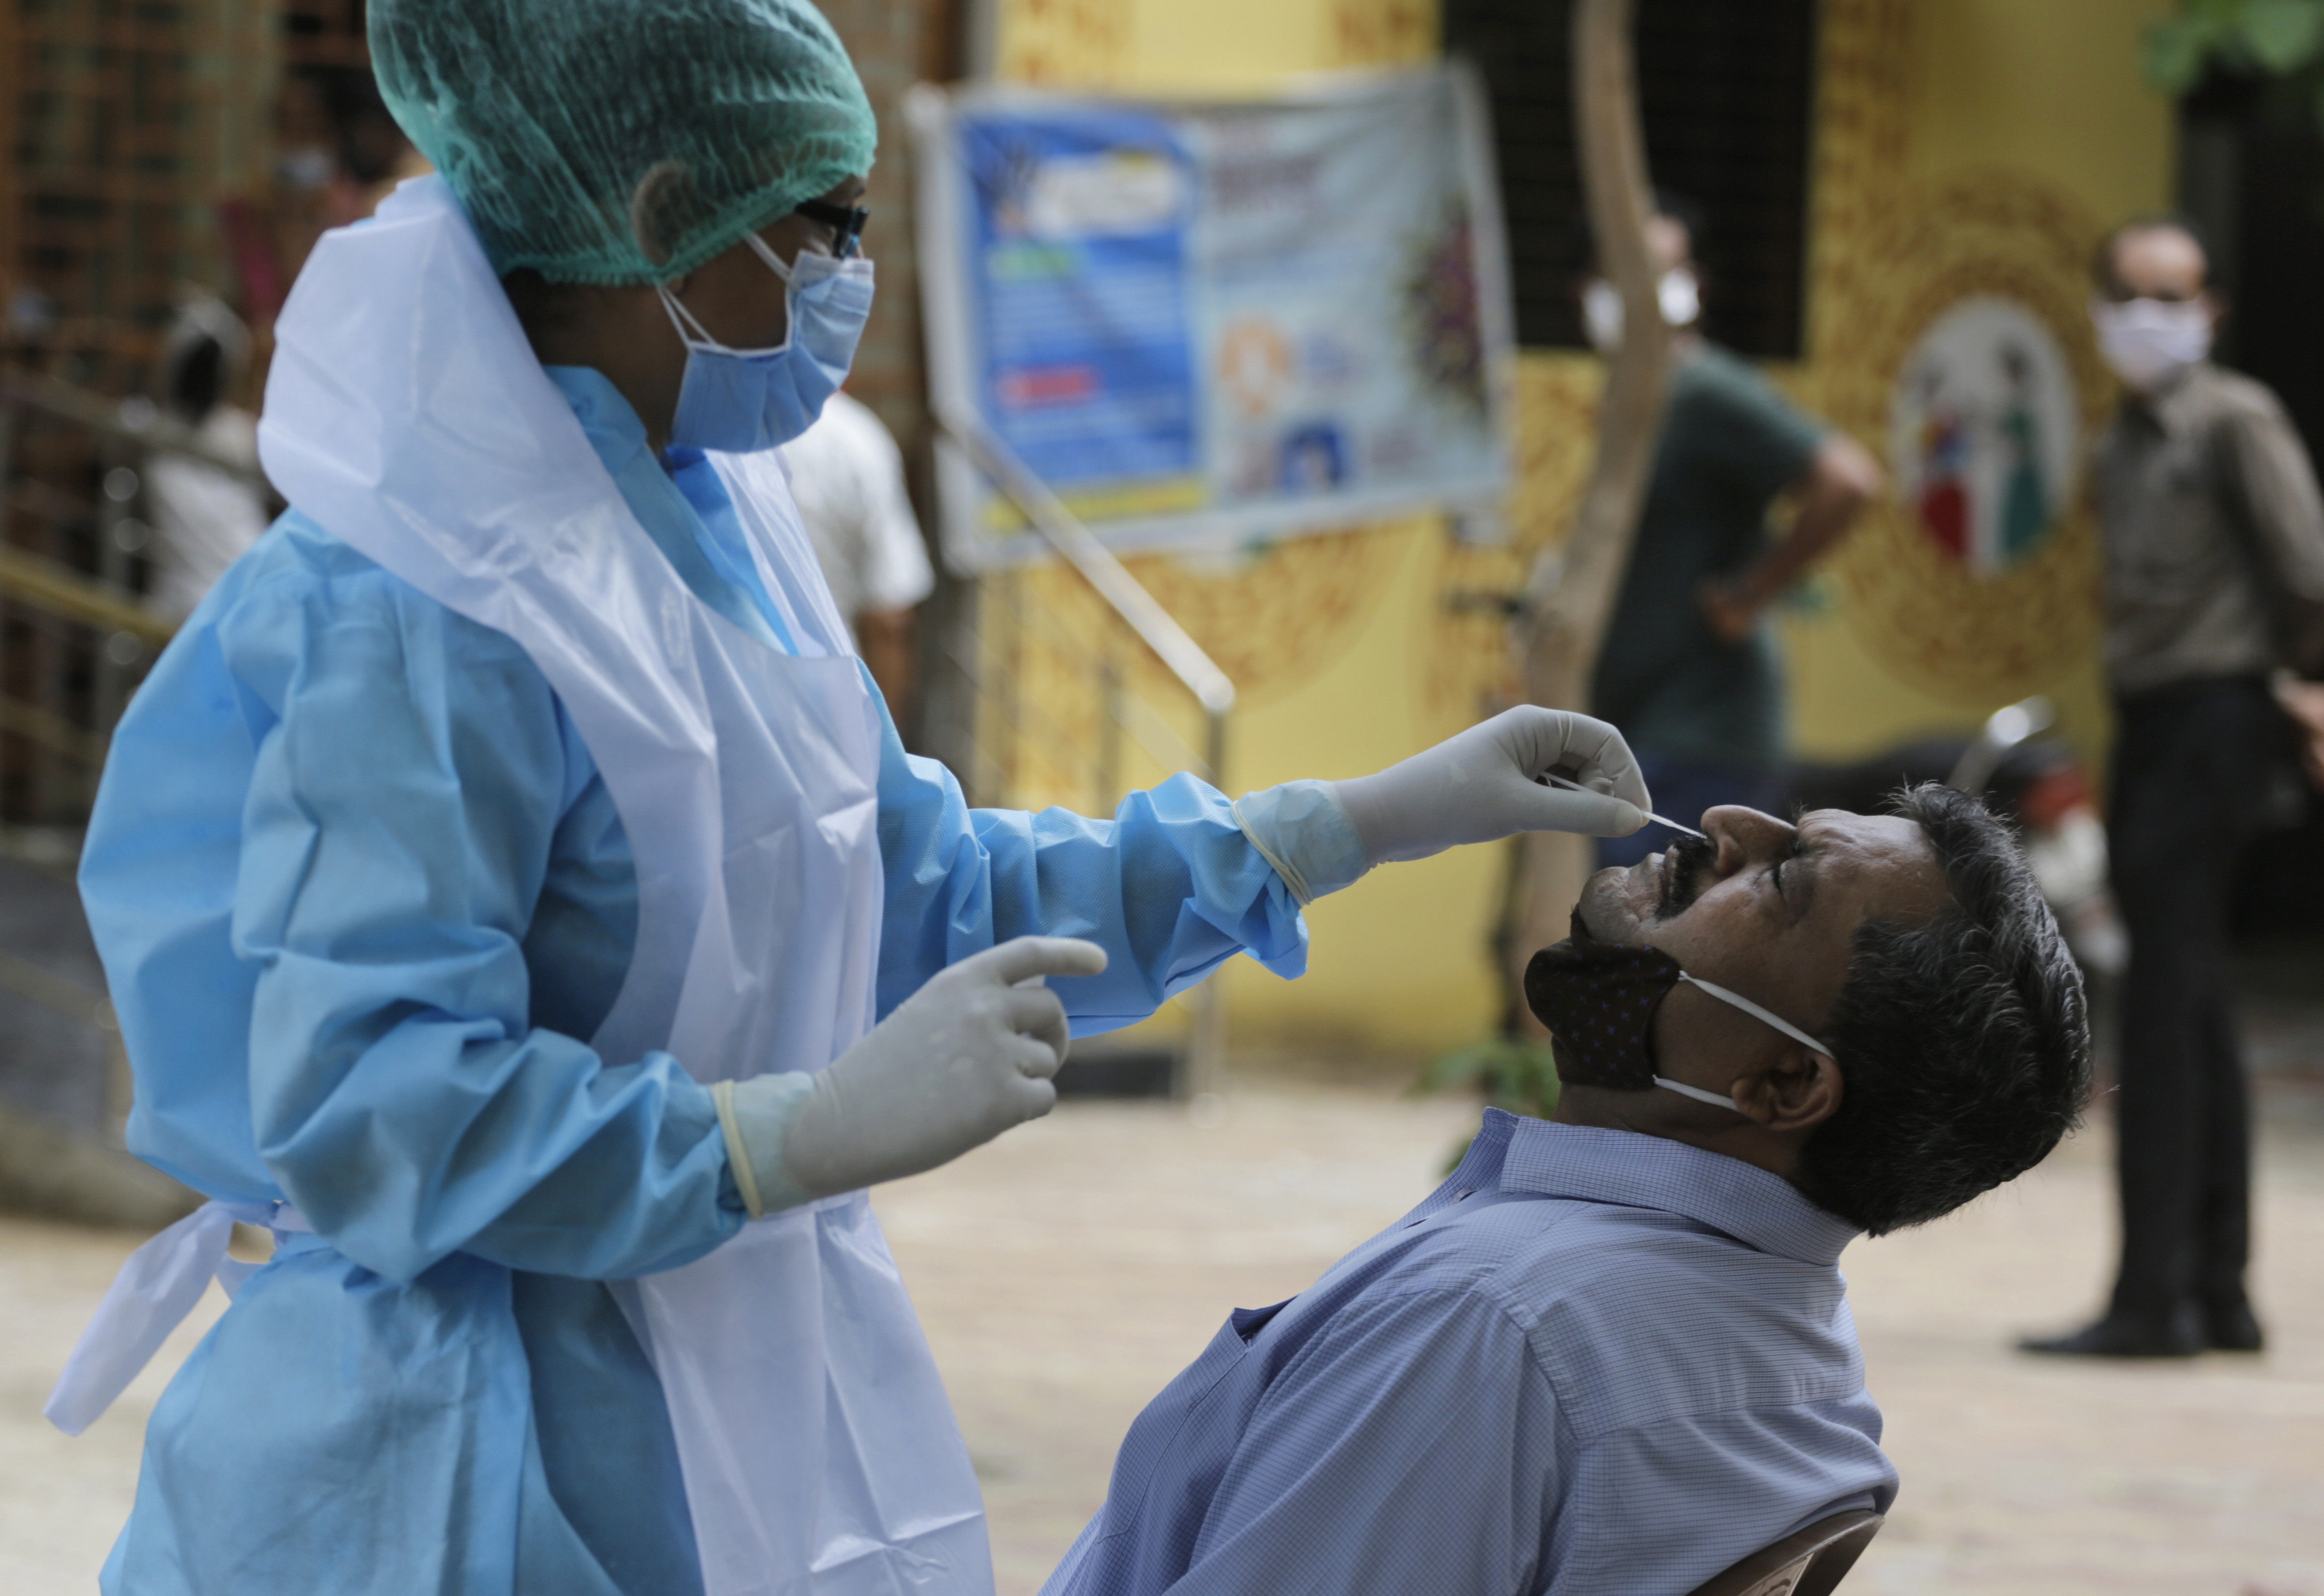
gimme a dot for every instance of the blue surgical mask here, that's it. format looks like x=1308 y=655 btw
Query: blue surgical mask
x=736 y=401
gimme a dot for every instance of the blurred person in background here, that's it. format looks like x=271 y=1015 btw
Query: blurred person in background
x=1688 y=669
x=338 y=153
x=203 y=517
x=847 y=477
x=340 y=150
x=2213 y=537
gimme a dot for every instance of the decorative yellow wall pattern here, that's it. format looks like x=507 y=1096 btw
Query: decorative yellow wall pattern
x=1467 y=657
x=1981 y=639
x=1064 y=43
x=1380 y=33
x=1278 y=616
x=1180 y=44
x=1891 y=255
x=1970 y=150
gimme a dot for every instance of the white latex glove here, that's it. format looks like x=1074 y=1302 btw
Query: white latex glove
x=1481 y=785
x=961 y=1060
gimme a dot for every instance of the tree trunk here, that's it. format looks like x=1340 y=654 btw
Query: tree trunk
x=1571 y=589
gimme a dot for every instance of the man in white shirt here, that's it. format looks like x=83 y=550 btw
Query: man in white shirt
x=848 y=477
x=203 y=518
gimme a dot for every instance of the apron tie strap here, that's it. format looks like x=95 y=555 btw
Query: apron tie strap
x=149 y=1297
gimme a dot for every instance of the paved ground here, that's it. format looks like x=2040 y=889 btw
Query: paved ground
x=50 y=1064
x=1068 y=1272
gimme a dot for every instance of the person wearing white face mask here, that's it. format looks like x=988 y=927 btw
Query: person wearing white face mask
x=1677 y=291
x=1688 y=669
x=516 y=896
x=2213 y=535
x=2149 y=342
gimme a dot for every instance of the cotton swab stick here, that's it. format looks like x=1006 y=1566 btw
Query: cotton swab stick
x=1658 y=819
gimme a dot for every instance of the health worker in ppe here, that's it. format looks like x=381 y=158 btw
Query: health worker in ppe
x=516 y=895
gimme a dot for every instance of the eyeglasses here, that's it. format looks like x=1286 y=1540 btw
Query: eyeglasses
x=846 y=220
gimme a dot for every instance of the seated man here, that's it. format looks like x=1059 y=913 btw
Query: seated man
x=1612 y=1352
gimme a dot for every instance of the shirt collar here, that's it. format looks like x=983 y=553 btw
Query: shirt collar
x=1757 y=1208
x=2174 y=404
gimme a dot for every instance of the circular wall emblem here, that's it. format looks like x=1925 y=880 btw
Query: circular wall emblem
x=1982 y=434
x=1960 y=337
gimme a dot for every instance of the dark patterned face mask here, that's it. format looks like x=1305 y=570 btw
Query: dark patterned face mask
x=1599 y=999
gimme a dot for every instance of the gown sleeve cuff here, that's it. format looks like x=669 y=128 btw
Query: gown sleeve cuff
x=756 y=1115
x=1302 y=830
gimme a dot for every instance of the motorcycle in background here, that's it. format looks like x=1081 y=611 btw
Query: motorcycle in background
x=2034 y=780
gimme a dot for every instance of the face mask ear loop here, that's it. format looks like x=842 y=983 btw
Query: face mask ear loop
x=766 y=253
x=683 y=320
x=1698 y=1094
x=1756 y=1012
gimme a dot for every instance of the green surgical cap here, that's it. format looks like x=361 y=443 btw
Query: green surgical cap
x=547 y=117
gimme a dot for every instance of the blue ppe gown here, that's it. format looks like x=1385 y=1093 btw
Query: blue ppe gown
x=360 y=892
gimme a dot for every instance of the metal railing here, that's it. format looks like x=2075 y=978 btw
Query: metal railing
x=996 y=679
x=58 y=728
x=73 y=643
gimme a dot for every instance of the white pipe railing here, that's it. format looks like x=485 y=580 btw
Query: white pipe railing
x=1079 y=546
x=1159 y=630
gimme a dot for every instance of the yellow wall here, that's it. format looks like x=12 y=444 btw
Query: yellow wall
x=1205 y=46
x=2050 y=87
x=1963 y=146
x=2047 y=96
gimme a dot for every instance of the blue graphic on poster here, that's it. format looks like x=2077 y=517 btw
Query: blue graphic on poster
x=1213 y=323
x=1080 y=276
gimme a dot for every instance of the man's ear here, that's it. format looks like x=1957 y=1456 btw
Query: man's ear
x=1797 y=1089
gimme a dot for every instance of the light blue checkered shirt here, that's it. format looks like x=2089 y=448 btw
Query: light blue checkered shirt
x=1593 y=1362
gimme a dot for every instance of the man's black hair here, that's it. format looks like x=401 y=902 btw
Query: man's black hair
x=1963 y=1042
x=195 y=378
x=2158 y=221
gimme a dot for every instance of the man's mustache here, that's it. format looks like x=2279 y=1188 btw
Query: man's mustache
x=1685 y=861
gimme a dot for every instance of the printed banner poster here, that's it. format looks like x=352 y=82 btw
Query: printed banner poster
x=1217 y=323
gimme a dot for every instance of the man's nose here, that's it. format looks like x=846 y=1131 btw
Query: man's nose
x=1745 y=837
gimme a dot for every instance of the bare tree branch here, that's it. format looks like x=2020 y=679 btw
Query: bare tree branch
x=1571 y=589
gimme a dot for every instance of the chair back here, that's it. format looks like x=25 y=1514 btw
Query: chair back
x=1809 y=1563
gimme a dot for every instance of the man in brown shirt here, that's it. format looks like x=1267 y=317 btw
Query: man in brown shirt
x=2214 y=542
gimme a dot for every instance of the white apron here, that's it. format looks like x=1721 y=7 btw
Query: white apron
x=407 y=414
